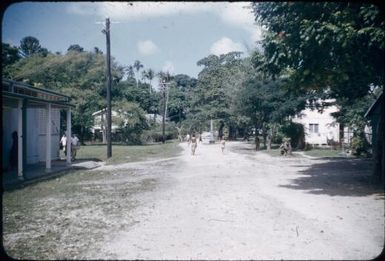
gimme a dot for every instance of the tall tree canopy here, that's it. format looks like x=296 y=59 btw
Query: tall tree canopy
x=180 y=91
x=9 y=54
x=334 y=45
x=30 y=45
x=78 y=48
x=212 y=97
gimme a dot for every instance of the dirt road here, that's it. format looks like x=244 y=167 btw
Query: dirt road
x=238 y=205
x=246 y=206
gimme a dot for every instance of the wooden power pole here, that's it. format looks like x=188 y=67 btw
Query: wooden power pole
x=165 y=100
x=109 y=82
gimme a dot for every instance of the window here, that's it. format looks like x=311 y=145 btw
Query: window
x=313 y=127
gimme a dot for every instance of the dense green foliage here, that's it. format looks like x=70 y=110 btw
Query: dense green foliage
x=329 y=49
x=132 y=120
x=9 y=55
x=334 y=45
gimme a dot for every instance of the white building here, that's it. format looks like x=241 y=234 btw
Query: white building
x=31 y=125
x=319 y=127
x=100 y=122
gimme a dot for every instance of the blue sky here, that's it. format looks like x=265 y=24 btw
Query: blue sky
x=169 y=36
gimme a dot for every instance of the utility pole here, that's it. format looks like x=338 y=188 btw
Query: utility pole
x=106 y=31
x=164 y=87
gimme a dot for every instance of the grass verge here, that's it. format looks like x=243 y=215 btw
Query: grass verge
x=323 y=153
x=125 y=153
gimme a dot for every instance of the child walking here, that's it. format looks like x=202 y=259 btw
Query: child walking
x=223 y=144
x=194 y=144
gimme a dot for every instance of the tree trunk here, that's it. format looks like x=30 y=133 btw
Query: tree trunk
x=264 y=135
x=341 y=135
x=257 y=143
x=379 y=149
x=180 y=116
x=220 y=130
x=268 y=142
x=82 y=133
x=232 y=133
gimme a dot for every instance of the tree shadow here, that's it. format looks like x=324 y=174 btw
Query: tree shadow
x=338 y=177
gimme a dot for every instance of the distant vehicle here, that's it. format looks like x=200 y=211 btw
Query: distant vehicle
x=207 y=137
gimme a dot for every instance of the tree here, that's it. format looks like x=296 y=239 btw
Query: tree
x=76 y=48
x=137 y=66
x=180 y=91
x=184 y=81
x=212 y=97
x=266 y=102
x=148 y=74
x=177 y=103
x=132 y=120
x=129 y=70
x=29 y=45
x=330 y=45
x=336 y=48
x=129 y=91
x=9 y=55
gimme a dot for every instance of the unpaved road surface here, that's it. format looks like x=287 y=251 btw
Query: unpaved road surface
x=238 y=205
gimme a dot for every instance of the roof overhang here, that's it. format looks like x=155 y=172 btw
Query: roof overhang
x=36 y=96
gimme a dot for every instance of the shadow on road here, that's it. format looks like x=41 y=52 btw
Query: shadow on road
x=338 y=177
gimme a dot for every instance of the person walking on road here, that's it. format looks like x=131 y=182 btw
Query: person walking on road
x=194 y=144
x=188 y=139
x=223 y=144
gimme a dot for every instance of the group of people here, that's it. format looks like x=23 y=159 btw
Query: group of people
x=193 y=141
x=74 y=145
x=285 y=148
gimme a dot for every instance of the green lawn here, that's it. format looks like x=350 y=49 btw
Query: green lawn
x=313 y=153
x=323 y=153
x=125 y=153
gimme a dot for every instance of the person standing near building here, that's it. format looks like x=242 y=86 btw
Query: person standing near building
x=74 y=146
x=63 y=142
x=14 y=151
x=194 y=144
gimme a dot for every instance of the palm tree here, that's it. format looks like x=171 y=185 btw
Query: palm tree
x=130 y=71
x=137 y=65
x=144 y=75
x=150 y=75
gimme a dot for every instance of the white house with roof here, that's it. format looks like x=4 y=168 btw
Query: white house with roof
x=100 y=122
x=320 y=128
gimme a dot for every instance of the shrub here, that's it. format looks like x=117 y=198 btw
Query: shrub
x=296 y=132
x=360 y=146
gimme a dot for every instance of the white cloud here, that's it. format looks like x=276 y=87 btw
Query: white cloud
x=236 y=14
x=240 y=14
x=226 y=45
x=147 y=47
x=168 y=67
x=135 y=10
